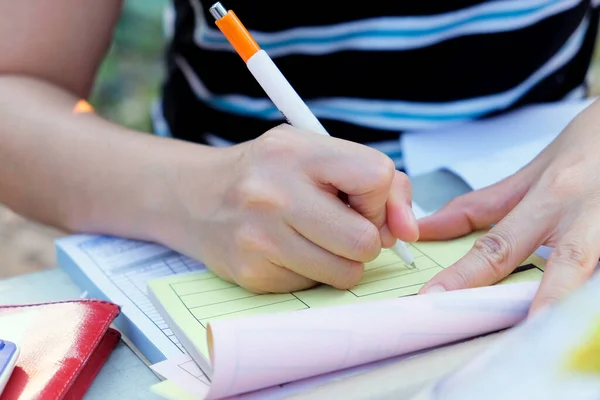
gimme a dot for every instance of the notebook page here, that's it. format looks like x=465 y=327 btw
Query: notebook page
x=193 y=301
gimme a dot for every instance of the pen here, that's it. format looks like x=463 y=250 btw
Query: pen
x=276 y=86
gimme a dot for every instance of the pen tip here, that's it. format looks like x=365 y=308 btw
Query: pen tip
x=217 y=10
x=412 y=264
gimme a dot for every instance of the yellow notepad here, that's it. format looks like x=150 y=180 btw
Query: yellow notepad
x=189 y=302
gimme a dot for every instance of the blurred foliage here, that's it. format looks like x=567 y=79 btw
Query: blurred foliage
x=130 y=76
x=594 y=72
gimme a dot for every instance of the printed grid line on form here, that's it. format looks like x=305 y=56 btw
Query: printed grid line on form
x=214 y=298
x=193 y=370
x=131 y=277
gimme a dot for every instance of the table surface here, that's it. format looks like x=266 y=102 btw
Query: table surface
x=126 y=376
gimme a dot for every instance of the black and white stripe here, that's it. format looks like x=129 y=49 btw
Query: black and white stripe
x=371 y=73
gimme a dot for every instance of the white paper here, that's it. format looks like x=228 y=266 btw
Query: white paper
x=121 y=268
x=183 y=372
x=428 y=150
x=485 y=171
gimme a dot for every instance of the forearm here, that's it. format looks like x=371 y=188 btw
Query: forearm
x=79 y=172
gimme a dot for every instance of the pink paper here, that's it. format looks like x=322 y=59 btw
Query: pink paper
x=263 y=351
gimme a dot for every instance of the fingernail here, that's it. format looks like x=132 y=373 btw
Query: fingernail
x=434 y=289
x=411 y=220
x=410 y=214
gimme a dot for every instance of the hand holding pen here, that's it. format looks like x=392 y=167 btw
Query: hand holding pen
x=267 y=215
x=279 y=90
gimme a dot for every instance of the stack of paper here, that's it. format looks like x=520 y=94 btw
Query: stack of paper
x=118 y=269
x=245 y=345
x=502 y=145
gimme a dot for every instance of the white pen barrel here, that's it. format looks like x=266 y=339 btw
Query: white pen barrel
x=282 y=93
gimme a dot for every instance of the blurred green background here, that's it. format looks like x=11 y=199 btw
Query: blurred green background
x=130 y=77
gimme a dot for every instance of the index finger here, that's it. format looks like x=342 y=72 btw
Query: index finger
x=496 y=253
x=475 y=210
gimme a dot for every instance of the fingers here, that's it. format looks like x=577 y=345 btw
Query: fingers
x=570 y=264
x=474 y=211
x=300 y=255
x=363 y=173
x=375 y=188
x=354 y=169
x=401 y=221
x=290 y=263
x=252 y=259
x=270 y=278
x=326 y=221
x=497 y=253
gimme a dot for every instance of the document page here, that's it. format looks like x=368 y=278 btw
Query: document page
x=193 y=302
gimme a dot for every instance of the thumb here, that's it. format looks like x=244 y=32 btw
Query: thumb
x=370 y=197
x=391 y=210
x=474 y=211
x=375 y=203
x=401 y=221
x=364 y=174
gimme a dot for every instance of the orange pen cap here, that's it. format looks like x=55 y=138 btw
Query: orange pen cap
x=235 y=32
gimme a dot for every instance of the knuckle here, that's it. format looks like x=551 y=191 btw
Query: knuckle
x=402 y=182
x=573 y=254
x=248 y=277
x=460 y=278
x=495 y=249
x=277 y=143
x=567 y=180
x=382 y=169
x=348 y=275
x=469 y=207
x=292 y=284
x=367 y=244
x=249 y=238
x=556 y=294
x=454 y=203
x=253 y=192
x=462 y=203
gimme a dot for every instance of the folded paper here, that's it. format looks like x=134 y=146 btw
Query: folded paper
x=262 y=351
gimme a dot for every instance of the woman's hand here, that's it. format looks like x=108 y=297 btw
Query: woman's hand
x=553 y=201
x=270 y=219
x=264 y=214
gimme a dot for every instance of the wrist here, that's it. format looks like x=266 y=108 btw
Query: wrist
x=122 y=196
x=138 y=193
x=188 y=180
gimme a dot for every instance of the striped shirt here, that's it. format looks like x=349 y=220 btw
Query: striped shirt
x=370 y=74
